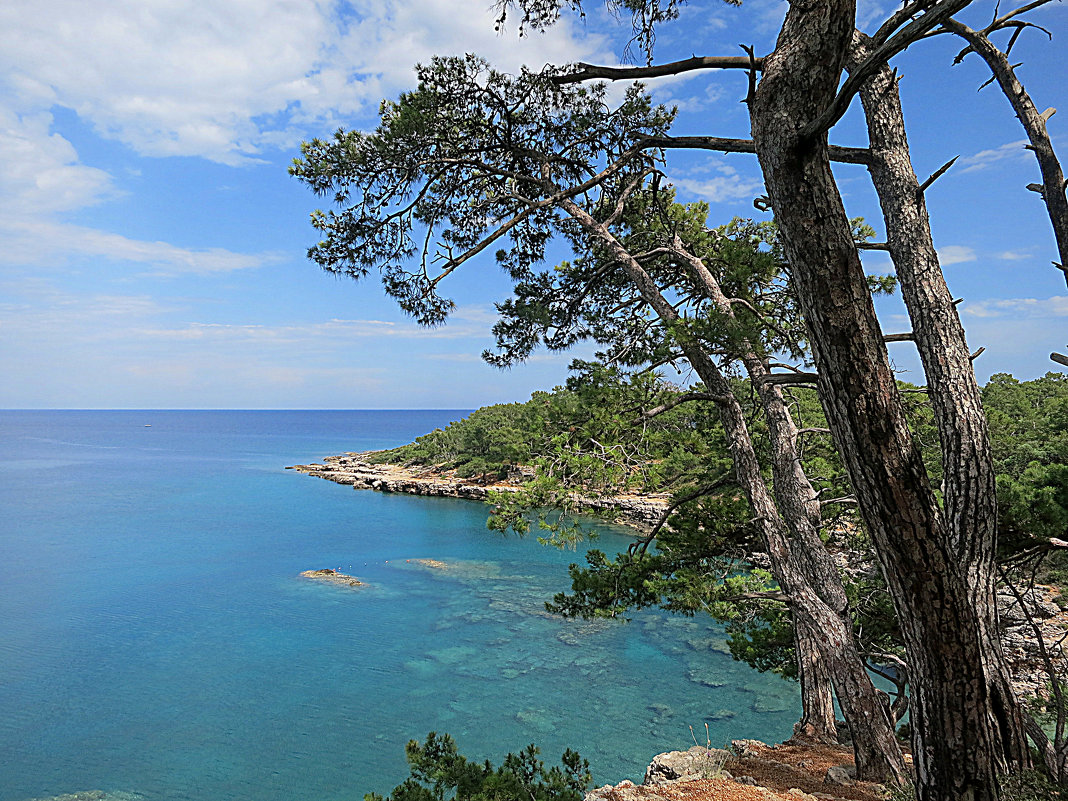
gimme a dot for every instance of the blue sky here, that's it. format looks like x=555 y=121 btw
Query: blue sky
x=152 y=246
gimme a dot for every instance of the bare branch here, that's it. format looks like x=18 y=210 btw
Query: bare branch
x=1034 y=123
x=1060 y=358
x=679 y=401
x=586 y=72
x=937 y=174
x=919 y=27
x=847 y=155
x=907 y=337
x=789 y=378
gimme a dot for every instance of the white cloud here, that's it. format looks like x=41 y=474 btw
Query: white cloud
x=1055 y=306
x=716 y=180
x=987 y=158
x=227 y=79
x=955 y=254
x=1013 y=255
x=39 y=169
x=54 y=243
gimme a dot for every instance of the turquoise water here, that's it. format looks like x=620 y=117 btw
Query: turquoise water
x=155 y=638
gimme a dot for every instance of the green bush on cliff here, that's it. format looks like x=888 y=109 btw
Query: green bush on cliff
x=440 y=773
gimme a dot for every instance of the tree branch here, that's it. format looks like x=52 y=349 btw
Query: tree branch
x=790 y=378
x=586 y=72
x=679 y=401
x=917 y=29
x=847 y=155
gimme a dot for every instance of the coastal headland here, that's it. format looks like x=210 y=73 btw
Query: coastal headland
x=641 y=512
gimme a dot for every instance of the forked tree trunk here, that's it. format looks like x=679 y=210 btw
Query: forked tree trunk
x=962 y=741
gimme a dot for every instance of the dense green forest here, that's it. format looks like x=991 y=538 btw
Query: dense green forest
x=596 y=434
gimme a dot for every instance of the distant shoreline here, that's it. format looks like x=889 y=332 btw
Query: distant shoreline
x=641 y=512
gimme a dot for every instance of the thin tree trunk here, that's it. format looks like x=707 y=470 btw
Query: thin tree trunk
x=959 y=747
x=1034 y=123
x=969 y=488
x=874 y=739
x=875 y=748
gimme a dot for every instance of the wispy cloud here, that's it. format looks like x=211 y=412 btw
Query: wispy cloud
x=1055 y=306
x=955 y=254
x=716 y=180
x=44 y=242
x=987 y=158
x=1012 y=255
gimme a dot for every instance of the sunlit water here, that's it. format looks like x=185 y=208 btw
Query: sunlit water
x=155 y=638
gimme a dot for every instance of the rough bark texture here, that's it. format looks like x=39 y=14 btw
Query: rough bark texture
x=969 y=488
x=876 y=752
x=963 y=738
x=800 y=511
x=817 y=722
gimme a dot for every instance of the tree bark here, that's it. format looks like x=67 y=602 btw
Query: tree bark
x=875 y=749
x=817 y=723
x=963 y=739
x=969 y=488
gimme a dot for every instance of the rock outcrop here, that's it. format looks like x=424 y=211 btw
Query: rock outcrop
x=332 y=577
x=750 y=771
x=640 y=511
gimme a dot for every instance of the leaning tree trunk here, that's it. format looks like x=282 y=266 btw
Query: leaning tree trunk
x=794 y=494
x=875 y=748
x=962 y=739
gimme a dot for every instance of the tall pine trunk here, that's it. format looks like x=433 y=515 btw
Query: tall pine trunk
x=964 y=734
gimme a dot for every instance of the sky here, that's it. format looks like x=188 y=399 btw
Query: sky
x=153 y=247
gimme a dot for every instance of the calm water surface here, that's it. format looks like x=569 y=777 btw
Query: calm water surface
x=155 y=639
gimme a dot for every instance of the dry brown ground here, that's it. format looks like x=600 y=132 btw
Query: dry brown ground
x=781 y=773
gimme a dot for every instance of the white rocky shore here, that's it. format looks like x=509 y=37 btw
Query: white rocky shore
x=640 y=511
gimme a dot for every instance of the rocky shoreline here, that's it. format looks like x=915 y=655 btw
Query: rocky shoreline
x=642 y=512
x=638 y=511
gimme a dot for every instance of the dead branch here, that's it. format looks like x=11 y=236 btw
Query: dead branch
x=937 y=174
x=906 y=337
x=587 y=72
x=846 y=155
x=789 y=378
x=919 y=27
x=1053 y=183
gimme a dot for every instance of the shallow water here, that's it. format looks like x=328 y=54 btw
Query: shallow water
x=155 y=638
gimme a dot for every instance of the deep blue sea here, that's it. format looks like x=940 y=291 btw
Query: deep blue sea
x=155 y=638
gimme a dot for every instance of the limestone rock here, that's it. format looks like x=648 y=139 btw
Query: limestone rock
x=841 y=775
x=697 y=763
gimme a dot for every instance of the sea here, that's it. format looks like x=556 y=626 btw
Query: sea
x=157 y=642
